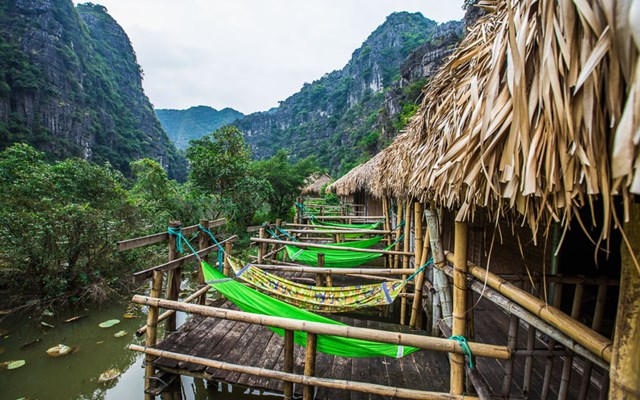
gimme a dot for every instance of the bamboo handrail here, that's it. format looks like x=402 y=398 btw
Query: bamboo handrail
x=593 y=341
x=323 y=246
x=423 y=342
x=301 y=379
x=321 y=228
x=168 y=266
x=162 y=236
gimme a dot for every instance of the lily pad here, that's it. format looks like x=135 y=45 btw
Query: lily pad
x=120 y=334
x=13 y=364
x=109 y=323
x=109 y=374
x=100 y=342
x=59 y=350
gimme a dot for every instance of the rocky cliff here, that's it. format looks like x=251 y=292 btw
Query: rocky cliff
x=71 y=86
x=183 y=126
x=348 y=115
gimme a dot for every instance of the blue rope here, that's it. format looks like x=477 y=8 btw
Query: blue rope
x=419 y=270
x=466 y=350
x=177 y=232
x=220 y=248
x=286 y=233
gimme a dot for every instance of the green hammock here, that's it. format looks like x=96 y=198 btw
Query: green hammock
x=337 y=258
x=250 y=300
x=332 y=299
x=329 y=225
x=359 y=244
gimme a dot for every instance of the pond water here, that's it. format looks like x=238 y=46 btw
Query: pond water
x=96 y=350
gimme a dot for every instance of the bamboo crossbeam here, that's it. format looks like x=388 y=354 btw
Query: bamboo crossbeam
x=167 y=313
x=339 y=231
x=161 y=237
x=323 y=246
x=374 y=218
x=371 y=388
x=596 y=343
x=321 y=228
x=530 y=318
x=335 y=271
x=423 y=342
x=168 y=266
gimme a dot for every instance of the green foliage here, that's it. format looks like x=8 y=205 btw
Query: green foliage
x=220 y=165
x=285 y=179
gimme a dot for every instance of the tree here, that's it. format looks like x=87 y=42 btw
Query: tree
x=286 y=180
x=220 y=165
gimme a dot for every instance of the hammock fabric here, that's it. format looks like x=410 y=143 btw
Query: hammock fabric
x=328 y=225
x=250 y=300
x=337 y=258
x=359 y=244
x=317 y=298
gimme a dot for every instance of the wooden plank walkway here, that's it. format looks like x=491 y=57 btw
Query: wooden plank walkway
x=246 y=344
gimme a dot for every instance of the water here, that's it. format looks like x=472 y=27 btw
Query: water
x=75 y=376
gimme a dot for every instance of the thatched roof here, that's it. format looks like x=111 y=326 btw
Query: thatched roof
x=522 y=116
x=315 y=182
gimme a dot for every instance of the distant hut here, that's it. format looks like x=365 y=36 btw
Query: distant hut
x=530 y=134
x=315 y=183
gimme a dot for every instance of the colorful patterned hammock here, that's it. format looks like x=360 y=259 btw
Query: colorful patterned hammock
x=250 y=300
x=317 y=298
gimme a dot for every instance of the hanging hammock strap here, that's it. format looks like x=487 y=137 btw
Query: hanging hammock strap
x=419 y=270
x=466 y=350
x=180 y=239
x=286 y=233
x=220 y=248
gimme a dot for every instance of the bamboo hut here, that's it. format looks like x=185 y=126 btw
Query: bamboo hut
x=315 y=183
x=529 y=135
x=357 y=187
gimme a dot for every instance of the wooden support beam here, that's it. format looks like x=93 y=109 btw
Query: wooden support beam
x=596 y=343
x=319 y=277
x=203 y=243
x=417 y=303
x=459 y=326
x=148 y=273
x=405 y=259
x=363 y=387
x=309 y=364
x=423 y=342
x=152 y=334
x=302 y=245
x=288 y=363
x=228 y=248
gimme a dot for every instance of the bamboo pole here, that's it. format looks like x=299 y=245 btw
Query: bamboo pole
x=261 y=246
x=568 y=360
x=405 y=259
x=595 y=325
x=387 y=223
x=288 y=362
x=363 y=387
x=417 y=220
x=309 y=364
x=423 y=342
x=583 y=335
x=199 y=294
x=334 y=271
x=548 y=368
x=203 y=243
x=440 y=281
x=625 y=362
x=152 y=334
x=322 y=246
x=512 y=341
x=528 y=362
x=374 y=218
x=459 y=327
x=228 y=248
x=396 y=258
x=332 y=230
x=174 y=279
x=319 y=280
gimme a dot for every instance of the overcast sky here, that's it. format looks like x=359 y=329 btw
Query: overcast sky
x=249 y=54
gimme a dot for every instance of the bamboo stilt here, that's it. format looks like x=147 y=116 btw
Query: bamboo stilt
x=417 y=218
x=396 y=258
x=568 y=360
x=261 y=246
x=595 y=325
x=288 y=363
x=174 y=279
x=405 y=259
x=548 y=369
x=309 y=364
x=512 y=341
x=625 y=362
x=152 y=331
x=528 y=363
x=440 y=281
x=459 y=327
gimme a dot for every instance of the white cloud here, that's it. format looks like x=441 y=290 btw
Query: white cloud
x=249 y=54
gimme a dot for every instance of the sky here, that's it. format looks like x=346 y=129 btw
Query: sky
x=250 y=54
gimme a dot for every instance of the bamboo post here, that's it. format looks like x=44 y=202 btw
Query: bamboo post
x=405 y=259
x=568 y=360
x=625 y=362
x=595 y=325
x=387 y=221
x=203 y=243
x=512 y=341
x=260 y=246
x=319 y=277
x=228 y=247
x=152 y=331
x=288 y=362
x=309 y=364
x=417 y=299
x=557 y=299
x=440 y=281
x=396 y=258
x=528 y=362
x=174 y=279
x=459 y=327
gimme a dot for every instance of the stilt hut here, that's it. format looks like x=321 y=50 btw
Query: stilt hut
x=315 y=183
x=524 y=157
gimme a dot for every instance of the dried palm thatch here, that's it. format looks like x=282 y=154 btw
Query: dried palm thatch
x=521 y=117
x=395 y=167
x=359 y=178
x=315 y=183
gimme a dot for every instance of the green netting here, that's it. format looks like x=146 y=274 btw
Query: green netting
x=332 y=258
x=252 y=301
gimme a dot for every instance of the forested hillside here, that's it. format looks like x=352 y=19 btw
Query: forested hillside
x=70 y=85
